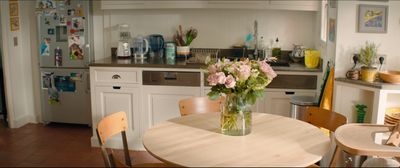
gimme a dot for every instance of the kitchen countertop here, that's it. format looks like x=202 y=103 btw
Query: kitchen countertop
x=377 y=84
x=157 y=62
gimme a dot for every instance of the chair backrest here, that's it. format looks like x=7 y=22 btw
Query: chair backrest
x=324 y=118
x=106 y=128
x=325 y=101
x=200 y=105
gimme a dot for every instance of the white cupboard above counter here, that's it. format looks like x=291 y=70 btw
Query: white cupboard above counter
x=150 y=95
x=299 y=5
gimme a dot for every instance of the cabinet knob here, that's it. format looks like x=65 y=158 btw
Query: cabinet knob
x=116 y=76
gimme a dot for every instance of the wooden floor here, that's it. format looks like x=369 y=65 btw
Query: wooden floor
x=53 y=145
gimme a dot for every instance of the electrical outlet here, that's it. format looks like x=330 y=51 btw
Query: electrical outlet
x=15 y=41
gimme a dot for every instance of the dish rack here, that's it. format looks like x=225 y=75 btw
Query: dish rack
x=199 y=55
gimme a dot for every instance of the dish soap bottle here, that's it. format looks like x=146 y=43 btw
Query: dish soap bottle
x=276 y=49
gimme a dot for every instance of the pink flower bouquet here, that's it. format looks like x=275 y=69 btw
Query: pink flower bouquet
x=246 y=79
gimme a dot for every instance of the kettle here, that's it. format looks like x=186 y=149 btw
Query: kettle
x=140 y=46
x=156 y=42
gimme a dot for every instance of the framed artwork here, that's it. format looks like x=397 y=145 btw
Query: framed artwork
x=14 y=23
x=13 y=8
x=372 y=18
x=332 y=30
x=376 y=0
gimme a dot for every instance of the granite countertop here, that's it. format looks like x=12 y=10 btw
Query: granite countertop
x=377 y=84
x=158 y=62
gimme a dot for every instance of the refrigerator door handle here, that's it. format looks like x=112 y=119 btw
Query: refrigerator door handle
x=88 y=83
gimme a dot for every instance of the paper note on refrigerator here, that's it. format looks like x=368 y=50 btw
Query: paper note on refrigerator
x=46 y=80
x=64 y=84
x=45 y=47
x=76 y=44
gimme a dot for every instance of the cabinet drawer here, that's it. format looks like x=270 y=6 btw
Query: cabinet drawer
x=294 y=82
x=120 y=76
x=171 y=78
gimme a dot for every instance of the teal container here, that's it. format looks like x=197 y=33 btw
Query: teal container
x=170 y=50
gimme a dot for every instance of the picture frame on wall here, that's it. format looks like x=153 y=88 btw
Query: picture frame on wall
x=332 y=29
x=372 y=18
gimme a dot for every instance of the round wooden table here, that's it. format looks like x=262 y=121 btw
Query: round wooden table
x=195 y=140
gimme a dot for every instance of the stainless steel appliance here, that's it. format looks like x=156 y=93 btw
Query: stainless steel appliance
x=124 y=44
x=64 y=34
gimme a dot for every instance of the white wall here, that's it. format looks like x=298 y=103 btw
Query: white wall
x=217 y=28
x=349 y=40
x=18 y=65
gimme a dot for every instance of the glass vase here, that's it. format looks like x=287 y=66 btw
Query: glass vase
x=236 y=116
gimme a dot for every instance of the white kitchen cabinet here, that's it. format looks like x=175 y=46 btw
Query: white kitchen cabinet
x=303 y=5
x=193 y=4
x=111 y=99
x=161 y=102
x=278 y=101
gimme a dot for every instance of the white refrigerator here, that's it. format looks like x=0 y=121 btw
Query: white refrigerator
x=64 y=29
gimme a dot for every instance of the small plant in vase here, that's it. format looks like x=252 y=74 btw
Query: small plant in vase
x=183 y=40
x=367 y=57
x=242 y=82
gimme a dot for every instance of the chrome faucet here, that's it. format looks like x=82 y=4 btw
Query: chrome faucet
x=256 y=39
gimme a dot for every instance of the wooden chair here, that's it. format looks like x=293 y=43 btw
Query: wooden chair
x=200 y=105
x=112 y=125
x=325 y=119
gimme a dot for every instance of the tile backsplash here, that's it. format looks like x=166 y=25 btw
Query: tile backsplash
x=218 y=28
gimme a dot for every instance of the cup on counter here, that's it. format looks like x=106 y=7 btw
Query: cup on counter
x=353 y=74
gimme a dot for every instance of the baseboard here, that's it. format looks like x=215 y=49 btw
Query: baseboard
x=116 y=143
x=23 y=120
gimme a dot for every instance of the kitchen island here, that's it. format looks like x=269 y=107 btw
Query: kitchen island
x=149 y=90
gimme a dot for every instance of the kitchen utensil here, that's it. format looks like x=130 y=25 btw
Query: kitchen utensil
x=297 y=54
x=298 y=51
x=381 y=59
x=124 y=44
x=353 y=74
x=390 y=76
x=156 y=42
x=355 y=60
x=140 y=46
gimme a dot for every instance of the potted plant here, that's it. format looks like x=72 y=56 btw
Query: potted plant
x=183 y=40
x=242 y=82
x=367 y=57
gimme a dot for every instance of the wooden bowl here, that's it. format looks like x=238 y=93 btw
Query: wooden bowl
x=390 y=76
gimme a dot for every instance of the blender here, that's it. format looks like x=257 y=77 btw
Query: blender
x=124 y=44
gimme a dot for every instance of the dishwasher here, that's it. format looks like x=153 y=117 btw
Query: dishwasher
x=162 y=91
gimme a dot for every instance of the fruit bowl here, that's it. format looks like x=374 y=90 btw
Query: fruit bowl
x=390 y=76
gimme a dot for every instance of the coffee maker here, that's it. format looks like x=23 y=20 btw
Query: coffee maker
x=124 y=44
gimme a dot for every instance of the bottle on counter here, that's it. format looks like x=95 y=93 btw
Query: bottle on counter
x=276 y=49
x=262 y=46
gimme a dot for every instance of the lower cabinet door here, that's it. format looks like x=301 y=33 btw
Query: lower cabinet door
x=111 y=99
x=278 y=102
x=161 y=102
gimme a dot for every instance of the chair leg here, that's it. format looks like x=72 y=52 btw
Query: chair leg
x=335 y=157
